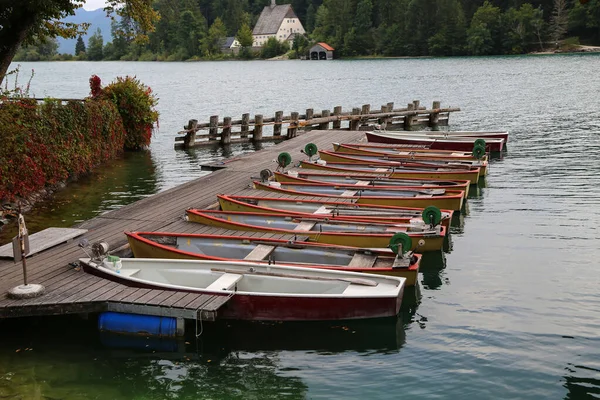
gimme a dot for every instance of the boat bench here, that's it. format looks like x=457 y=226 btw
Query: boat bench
x=225 y=282
x=129 y=271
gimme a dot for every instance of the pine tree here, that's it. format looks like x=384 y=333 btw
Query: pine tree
x=79 y=46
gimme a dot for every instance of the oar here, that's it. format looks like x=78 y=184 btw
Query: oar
x=356 y=281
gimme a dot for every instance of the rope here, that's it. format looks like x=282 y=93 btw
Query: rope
x=201 y=324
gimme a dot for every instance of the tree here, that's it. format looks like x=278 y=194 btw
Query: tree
x=95 y=46
x=359 y=39
x=485 y=35
x=79 y=46
x=559 y=20
x=244 y=36
x=25 y=21
x=211 y=44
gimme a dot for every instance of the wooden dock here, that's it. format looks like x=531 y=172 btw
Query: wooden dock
x=412 y=117
x=69 y=290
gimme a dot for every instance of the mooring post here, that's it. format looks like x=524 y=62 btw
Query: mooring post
x=309 y=115
x=417 y=104
x=213 y=129
x=354 y=121
x=293 y=127
x=245 y=128
x=190 y=136
x=408 y=119
x=258 y=128
x=434 y=117
x=277 y=125
x=337 y=124
x=226 y=133
x=324 y=125
x=366 y=109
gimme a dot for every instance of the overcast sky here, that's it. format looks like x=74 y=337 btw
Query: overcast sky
x=93 y=4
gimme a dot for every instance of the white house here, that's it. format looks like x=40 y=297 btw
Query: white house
x=279 y=22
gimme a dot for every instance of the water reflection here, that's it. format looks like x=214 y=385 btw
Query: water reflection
x=582 y=382
x=111 y=186
x=67 y=358
x=432 y=269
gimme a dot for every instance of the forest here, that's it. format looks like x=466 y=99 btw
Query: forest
x=196 y=29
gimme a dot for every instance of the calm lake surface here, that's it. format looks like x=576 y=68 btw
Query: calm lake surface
x=512 y=310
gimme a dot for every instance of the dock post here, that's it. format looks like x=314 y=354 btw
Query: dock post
x=324 y=125
x=258 y=128
x=408 y=119
x=366 y=109
x=213 y=129
x=434 y=117
x=277 y=125
x=337 y=124
x=190 y=136
x=245 y=128
x=309 y=115
x=354 y=122
x=293 y=127
x=417 y=104
x=226 y=133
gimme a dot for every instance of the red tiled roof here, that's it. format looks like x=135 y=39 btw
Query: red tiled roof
x=326 y=46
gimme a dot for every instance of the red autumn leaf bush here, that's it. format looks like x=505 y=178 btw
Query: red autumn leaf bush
x=136 y=104
x=49 y=142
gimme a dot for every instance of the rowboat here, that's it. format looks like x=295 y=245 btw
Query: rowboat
x=449 y=165
x=401 y=161
x=433 y=142
x=371 y=180
x=322 y=230
x=260 y=292
x=274 y=252
x=379 y=195
x=458 y=134
x=408 y=152
x=471 y=175
x=334 y=210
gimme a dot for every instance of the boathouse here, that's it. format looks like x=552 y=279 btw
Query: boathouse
x=278 y=21
x=321 y=51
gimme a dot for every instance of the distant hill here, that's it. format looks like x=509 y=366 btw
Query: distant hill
x=97 y=19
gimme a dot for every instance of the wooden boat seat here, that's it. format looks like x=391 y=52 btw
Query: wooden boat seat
x=362 y=183
x=305 y=226
x=322 y=210
x=348 y=193
x=361 y=260
x=260 y=252
x=225 y=282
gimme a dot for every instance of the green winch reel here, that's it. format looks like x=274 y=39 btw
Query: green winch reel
x=400 y=241
x=311 y=149
x=432 y=215
x=479 y=142
x=284 y=159
x=478 y=152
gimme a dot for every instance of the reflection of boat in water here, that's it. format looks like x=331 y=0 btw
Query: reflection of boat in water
x=582 y=383
x=432 y=269
x=222 y=337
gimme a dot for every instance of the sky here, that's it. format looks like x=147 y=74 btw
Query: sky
x=93 y=4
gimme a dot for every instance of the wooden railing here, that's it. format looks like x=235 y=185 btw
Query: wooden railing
x=414 y=116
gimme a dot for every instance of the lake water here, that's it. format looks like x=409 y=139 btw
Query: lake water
x=511 y=311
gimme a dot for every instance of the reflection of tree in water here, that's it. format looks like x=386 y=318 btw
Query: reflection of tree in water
x=117 y=183
x=586 y=385
x=237 y=376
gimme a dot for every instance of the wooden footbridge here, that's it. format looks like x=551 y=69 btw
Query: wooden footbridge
x=69 y=290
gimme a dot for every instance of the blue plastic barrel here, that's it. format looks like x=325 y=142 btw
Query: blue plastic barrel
x=135 y=324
